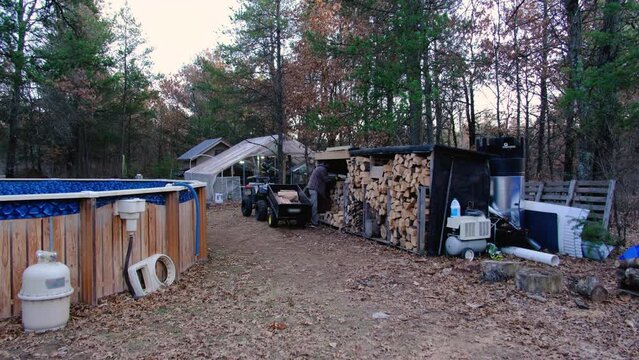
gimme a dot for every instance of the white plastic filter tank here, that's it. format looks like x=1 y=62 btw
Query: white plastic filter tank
x=45 y=294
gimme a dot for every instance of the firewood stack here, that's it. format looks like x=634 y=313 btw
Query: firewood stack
x=377 y=190
x=408 y=172
x=400 y=177
x=628 y=274
x=287 y=197
x=358 y=176
x=335 y=216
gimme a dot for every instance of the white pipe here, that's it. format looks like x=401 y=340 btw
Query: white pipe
x=533 y=255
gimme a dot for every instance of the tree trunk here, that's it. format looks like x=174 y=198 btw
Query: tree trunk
x=413 y=74
x=496 y=45
x=469 y=119
x=608 y=103
x=125 y=89
x=549 y=136
x=439 y=121
x=17 y=58
x=82 y=151
x=517 y=69
x=428 y=95
x=543 y=92
x=527 y=127
x=590 y=288
x=472 y=126
x=496 y=271
x=539 y=281
x=630 y=279
x=279 y=96
x=573 y=111
x=14 y=107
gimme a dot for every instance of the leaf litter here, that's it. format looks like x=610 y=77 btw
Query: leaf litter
x=288 y=292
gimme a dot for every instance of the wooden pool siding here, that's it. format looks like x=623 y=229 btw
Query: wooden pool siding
x=93 y=245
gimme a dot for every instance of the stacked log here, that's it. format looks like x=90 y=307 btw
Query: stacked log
x=287 y=197
x=408 y=172
x=335 y=216
x=377 y=190
x=389 y=189
x=372 y=181
x=628 y=274
x=358 y=176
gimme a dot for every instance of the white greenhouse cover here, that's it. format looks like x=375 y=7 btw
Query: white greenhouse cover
x=261 y=146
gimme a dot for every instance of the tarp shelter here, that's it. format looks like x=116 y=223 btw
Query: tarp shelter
x=209 y=171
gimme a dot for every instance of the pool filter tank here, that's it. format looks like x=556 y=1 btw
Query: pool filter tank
x=507 y=171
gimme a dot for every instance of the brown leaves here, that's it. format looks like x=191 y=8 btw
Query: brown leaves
x=278 y=326
x=252 y=300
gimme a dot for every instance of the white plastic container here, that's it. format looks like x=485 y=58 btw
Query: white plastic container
x=144 y=278
x=130 y=210
x=45 y=294
x=455 y=208
x=219 y=198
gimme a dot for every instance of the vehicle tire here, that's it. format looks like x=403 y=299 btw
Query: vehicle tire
x=261 y=210
x=247 y=206
x=272 y=219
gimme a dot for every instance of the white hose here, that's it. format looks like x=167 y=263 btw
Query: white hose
x=533 y=255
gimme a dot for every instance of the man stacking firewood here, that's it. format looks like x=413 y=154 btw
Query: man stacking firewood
x=317 y=188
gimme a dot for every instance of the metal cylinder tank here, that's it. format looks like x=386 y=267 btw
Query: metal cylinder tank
x=455 y=246
x=507 y=172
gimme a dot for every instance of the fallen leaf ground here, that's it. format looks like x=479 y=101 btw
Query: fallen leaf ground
x=310 y=293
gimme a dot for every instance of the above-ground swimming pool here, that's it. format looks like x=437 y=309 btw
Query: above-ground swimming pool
x=76 y=219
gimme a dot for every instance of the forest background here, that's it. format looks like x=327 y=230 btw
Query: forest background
x=78 y=97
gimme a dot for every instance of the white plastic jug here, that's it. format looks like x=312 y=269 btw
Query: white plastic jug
x=455 y=209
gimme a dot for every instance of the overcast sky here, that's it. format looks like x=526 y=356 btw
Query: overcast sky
x=178 y=30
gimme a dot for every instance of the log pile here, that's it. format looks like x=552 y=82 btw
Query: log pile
x=379 y=181
x=589 y=288
x=335 y=216
x=358 y=176
x=628 y=274
x=287 y=197
x=408 y=172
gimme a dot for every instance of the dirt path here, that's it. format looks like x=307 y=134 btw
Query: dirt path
x=311 y=293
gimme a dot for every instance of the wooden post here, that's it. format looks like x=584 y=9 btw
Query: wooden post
x=540 y=191
x=571 y=192
x=201 y=195
x=88 y=286
x=173 y=228
x=421 y=201
x=609 y=202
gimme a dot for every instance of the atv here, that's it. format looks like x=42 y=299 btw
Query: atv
x=254 y=195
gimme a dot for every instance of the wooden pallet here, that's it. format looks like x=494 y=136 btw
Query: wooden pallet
x=596 y=196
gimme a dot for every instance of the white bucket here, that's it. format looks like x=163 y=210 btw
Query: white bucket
x=219 y=198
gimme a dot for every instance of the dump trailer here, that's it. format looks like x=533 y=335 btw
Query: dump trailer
x=288 y=203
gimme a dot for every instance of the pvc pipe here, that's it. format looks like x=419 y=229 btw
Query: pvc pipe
x=538 y=256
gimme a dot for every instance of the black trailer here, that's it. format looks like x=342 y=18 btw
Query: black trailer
x=299 y=212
